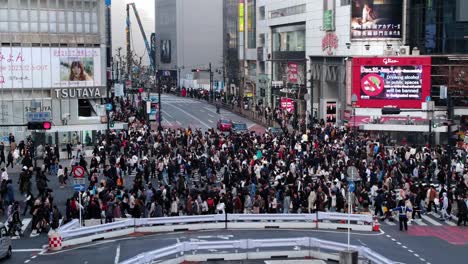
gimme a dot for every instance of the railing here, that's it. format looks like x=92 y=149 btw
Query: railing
x=251 y=248
x=75 y=223
x=73 y=235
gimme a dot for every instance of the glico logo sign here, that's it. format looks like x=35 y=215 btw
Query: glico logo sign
x=389 y=61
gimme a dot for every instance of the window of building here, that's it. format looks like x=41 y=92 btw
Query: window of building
x=261 y=39
x=84 y=108
x=261 y=13
x=251 y=24
x=345 y=2
x=3 y=3
x=289 y=41
x=288 y=11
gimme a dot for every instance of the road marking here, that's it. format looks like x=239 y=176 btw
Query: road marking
x=450 y=223
x=399 y=243
x=416 y=255
x=166 y=113
x=404 y=247
x=26 y=222
x=390 y=223
x=33 y=257
x=410 y=251
x=194 y=117
x=27 y=250
x=179 y=123
x=117 y=254
x=210 y=121
x=419 y=222
x=211 y=115
x=26 y=261
x=423 y=260
x=431 y=221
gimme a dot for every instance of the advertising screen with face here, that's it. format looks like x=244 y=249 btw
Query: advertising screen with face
x=399 y=82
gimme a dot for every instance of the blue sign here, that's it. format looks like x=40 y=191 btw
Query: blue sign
x=38 y=116
x=428 y=99
x=109 y=107
x=352 y=186
x=108 y=2
x=154 y=98
x=79 y=187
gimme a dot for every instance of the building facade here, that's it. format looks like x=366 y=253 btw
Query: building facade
x=189 y=36
x=323 y=51
x=52 y=66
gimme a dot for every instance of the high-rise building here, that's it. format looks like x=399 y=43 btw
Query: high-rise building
x=52 y=67
x=189 y=36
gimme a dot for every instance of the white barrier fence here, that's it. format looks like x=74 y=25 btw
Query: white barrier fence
x=254 y=249
x=72 y=235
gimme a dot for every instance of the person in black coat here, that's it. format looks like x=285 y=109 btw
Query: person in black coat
x=462 y=211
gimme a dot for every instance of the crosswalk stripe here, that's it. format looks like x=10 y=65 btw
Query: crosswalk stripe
x=26 y=222
x=431 y=221
x=450 y=223
x=388 y=222
x=419 y=222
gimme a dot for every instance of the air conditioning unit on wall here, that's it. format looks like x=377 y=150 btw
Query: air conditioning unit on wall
x=404 y=51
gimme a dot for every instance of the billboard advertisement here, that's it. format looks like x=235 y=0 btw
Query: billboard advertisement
x=287 y=104
x=402 y=82
x=25 y=67
x=292 y=72
x=375 y=19
x=166 y=51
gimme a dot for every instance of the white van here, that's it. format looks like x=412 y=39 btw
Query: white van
x=5 y=242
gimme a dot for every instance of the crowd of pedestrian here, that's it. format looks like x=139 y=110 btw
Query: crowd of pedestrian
x=140 y=172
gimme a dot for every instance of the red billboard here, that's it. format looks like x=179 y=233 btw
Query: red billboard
x=292 y=72
x=287 y=104
x=402 y=82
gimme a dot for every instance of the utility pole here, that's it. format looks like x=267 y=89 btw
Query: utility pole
x=108 y=63
x=129 y=49
x=211 y=84
x=449 y=138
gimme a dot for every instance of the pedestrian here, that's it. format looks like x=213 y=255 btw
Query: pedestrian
x=61 y=176
x=462 y=211
x=402 y=214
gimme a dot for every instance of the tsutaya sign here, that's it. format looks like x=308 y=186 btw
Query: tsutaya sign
x=69 y=93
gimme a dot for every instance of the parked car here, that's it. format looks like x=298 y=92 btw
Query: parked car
x=224 y=125
x=238 y=127
x=5 y=242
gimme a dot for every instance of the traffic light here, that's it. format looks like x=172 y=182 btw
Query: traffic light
x=45 y=125
x=390 y=111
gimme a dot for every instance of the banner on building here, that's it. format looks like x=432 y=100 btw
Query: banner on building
x=372 y=19
x=402 y=82
x=50 y=67
x=241 y=15
x=293 y=70
x=287 y=104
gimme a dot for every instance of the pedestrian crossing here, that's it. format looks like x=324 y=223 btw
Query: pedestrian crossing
x=429 y=219
x=26 y=229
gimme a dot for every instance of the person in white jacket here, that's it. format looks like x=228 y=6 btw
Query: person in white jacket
x=445 y=203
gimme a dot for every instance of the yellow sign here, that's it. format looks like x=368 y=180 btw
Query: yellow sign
x=241 y=17
x=249 y=94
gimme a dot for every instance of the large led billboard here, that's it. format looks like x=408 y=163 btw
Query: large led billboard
x=376 y=19
x=26 y=67
x=402 y=82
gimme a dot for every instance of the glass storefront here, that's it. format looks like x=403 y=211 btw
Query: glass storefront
x=288 y=60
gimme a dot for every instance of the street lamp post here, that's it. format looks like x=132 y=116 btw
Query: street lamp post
x=354 y=101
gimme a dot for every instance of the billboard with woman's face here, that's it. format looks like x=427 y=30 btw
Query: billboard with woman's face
x=376 y=19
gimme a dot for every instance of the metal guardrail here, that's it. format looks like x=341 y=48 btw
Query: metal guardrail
x=89 y=230
x=71 y=230
x=75 y=223
x=310 y=243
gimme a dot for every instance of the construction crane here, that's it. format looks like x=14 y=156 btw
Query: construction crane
x=145 y=39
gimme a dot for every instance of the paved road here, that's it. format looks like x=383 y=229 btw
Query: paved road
x=400 y=247
x=428 y=241
x=177 y=112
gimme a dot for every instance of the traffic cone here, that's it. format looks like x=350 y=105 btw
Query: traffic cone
x=376 y=225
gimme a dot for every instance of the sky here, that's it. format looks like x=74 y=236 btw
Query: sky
x=146 y=10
